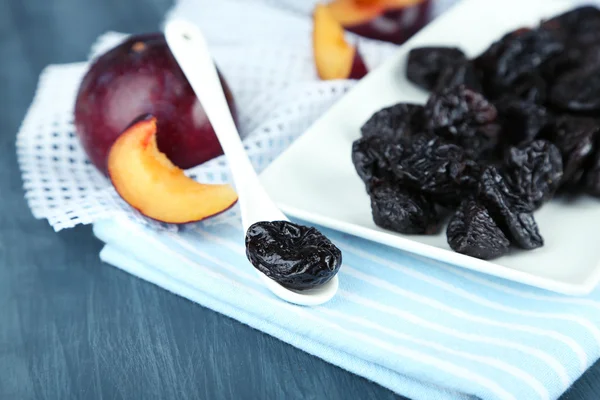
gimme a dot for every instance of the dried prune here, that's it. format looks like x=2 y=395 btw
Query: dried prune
x=522 y=122
x=403 y=210
x=591 y=177
x=578 y=90
x=454 y=108
x=458 y=73
x=295 y=256
x=577 y=27
x=575 y=138
x=425 y=64
x=473 y=232
x=464 y=117
x=506 y=130
x=395 y=122
x=516 y=55
x=435 y=167
x=506 y=208
x=528 y=89
x=534 y=171
x=373 y=157
x=557 y=65
x=573 y=59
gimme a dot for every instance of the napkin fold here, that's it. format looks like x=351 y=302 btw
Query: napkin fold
x=421 y=328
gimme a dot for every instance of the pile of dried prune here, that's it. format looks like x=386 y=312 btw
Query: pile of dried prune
x=501 y=134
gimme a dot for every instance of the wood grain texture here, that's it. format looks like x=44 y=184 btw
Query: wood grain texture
x=73 y=328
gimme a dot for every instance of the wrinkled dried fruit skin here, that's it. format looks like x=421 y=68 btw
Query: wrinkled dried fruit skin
x=455 y=107
x=575 y=81
x=575 y=138
x=295 y=256
x=577 y=27
x=572 y=65
x=464 y=117
x=591 y=179
x=456 y=74
x=578 y=90
x=435 y=167
x=425 y=64
x=506 y=208
x=373 y=156
x=395 y=122
x=506 y=130
x=528 y=89
x=534 y=172
x=557 y=65
x=403 y=210
x=522 y=122
x=473 y=232
x=516 y=55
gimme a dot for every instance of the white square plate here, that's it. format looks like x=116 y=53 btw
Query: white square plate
x=315 y=180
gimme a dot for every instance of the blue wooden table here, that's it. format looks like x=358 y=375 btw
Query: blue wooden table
x=73 y=328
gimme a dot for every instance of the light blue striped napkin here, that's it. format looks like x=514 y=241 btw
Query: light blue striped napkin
x=423 y=329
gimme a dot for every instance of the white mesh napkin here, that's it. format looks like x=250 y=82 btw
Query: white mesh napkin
x=262 y=47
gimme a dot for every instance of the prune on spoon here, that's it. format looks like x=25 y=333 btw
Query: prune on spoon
x=575 y=138
x=512 y=215
x=373 y=157
x=516 y=55
x=533 y=171
x=395 y=122
x=435 y=167
x=295 y=256
x=522 y=122
x=464 y=117
x=403 y=210
x=473 y=232
x=425 y=64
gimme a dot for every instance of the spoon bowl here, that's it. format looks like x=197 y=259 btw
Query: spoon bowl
x=191 y=52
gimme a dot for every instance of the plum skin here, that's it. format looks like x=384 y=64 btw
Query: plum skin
x=137 y=77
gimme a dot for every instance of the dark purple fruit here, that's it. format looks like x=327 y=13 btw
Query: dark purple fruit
x=534 y=171
x=435 y=167
x=473 y=232
x=426 y=64
x=140 y=76
x=395 y=122
x=465 y=118
x=522 y=122
x=373 y=158
x=575 y=138
x=403 y=210
x=578 y=90
x=507 y=209
x=295 y=256
x=514 y=57
x=591 y=178
x=577 y=27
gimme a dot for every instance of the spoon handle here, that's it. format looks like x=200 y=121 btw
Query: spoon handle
x=189 y=48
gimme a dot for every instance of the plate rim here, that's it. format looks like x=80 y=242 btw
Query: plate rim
x=447 y=256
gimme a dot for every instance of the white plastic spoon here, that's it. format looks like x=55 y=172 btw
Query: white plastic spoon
x=191 y=52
